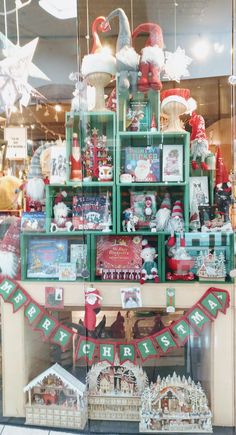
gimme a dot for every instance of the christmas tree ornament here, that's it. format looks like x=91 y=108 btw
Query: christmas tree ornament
x=99 y=66
x=152 y=57
x=199 y=146
x=127 y=59
x=75 y=160
x=149 y=267
x=92 y=308
x=176 y=64
x=175 y=102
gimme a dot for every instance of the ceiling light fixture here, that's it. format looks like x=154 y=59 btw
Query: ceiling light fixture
x=61 y=9
x=58 y=108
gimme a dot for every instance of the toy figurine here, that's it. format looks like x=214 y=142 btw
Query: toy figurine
x=105 y=173
x=61 y=221
x=149 y=267
x=148 y=207
x=92 y=308
x=75 y=160
x=129 y=220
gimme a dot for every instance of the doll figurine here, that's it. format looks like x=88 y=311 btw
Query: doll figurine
x=149 y=267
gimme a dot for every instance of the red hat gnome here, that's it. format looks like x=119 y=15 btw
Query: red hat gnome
x=199 y=141
x=176 y=222
x=152 y=57
x=92 y=307
x=10 y=249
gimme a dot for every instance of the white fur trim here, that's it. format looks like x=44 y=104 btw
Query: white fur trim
x=128 y=56
x=8 y=264
x=176 y=98
x=35 y=188
x=153 y=55
x=98 y=62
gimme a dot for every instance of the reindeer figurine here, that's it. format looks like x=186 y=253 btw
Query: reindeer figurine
x=199 y=141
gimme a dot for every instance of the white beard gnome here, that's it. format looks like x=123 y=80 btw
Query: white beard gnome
x=10 y=249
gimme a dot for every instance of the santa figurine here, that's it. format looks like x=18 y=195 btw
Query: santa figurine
x=152 y=57
x=149 y=268
x=199 y=141
x=92 y=308
x=75 y=160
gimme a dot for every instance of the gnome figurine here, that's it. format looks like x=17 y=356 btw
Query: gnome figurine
x=149 y=268
x=223 y=188
x=199 y=141
x=176 y=221
x=127 y=59
x=35 y=185
x=152 y=57
x=162 y=216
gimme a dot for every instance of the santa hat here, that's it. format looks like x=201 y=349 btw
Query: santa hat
x=221 y=171
x=198 y=127
x=166 y=201
x=155 y=34
x=177 y=210
x=60 y=197
x=91 y=295
x=179 y=95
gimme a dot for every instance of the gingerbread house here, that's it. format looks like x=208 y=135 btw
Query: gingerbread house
x=56 y=398
x=175 y=404
x=114 y=392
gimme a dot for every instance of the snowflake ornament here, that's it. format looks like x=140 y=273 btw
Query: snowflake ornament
x=176 y=65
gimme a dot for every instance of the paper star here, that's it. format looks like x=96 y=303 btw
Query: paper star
x=14 y=73
x=176 y=65
x=11 y=50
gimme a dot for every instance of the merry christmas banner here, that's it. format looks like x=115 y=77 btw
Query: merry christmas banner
x=206 y=310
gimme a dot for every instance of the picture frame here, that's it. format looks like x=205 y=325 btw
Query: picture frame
x=172 y=163
x=138 y=116
x=198 y=191
x=54 y=298
x=131 y=297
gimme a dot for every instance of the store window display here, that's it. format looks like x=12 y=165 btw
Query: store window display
x=138 y=222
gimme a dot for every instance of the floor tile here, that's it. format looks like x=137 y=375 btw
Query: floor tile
x=16 y=430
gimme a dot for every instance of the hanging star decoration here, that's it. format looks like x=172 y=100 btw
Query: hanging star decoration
x=14 y=72
x=176 y=64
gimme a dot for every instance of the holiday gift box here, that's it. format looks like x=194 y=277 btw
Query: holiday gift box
x=143 y=163
x=33 y=222
x=91 y=212
x=213 y=254
x=44 y=256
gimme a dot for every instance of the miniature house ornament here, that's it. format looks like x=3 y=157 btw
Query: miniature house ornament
x=99 y=66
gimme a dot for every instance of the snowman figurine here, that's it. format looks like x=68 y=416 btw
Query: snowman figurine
x=149 y=267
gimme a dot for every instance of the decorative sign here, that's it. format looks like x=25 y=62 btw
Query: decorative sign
x=16 y=142
x=192 y=322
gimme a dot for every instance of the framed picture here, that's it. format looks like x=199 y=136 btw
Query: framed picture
x=172 y=163
x=131 y=297
x=58 y=165
x=67 y=271
x=138 y=116
x=54 y=298
x=198 y=191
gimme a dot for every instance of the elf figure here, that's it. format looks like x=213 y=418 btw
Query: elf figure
x=152 y=57
x=92 y=308
x=149 y=267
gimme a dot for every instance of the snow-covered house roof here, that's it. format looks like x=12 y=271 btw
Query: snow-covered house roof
x=68 y=379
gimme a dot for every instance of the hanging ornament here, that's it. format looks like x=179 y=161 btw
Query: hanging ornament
x=176 y=65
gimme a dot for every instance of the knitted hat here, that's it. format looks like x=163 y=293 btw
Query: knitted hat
x=124 y=36
x=155 y=34
x=198 y=127
x=166 y=201
x=177 y=210
x=11 y=239
x=221 y=172
x=179 y=95
x=35 y=170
